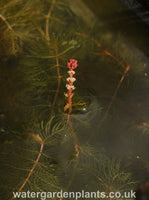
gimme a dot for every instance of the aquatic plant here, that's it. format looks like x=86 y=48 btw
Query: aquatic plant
x=53 y=151
x=72 y=64
x=30 y=166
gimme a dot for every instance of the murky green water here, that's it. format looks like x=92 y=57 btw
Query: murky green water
x=104 y=144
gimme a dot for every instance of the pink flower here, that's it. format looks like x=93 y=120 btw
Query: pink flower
x=69 y=65
x=72 y=64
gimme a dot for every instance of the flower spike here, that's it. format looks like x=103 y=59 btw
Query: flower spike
x=72 y=64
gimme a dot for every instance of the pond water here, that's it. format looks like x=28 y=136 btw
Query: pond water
x=124 y=131
x=103 y=144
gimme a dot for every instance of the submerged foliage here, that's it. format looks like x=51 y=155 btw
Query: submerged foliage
x=42 y=149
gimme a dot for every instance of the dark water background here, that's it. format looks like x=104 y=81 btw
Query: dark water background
x=124 y=133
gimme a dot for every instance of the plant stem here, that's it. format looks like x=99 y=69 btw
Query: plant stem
x=86 y=36
x=106 y=52
x=115 y=94
x=58 y=81
x=6 y=22
x=127 y=68
x=38 y=28
x=11 y=30
x=47 y=20
x=37 y=138
x=58 y=55
x=76 y=148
